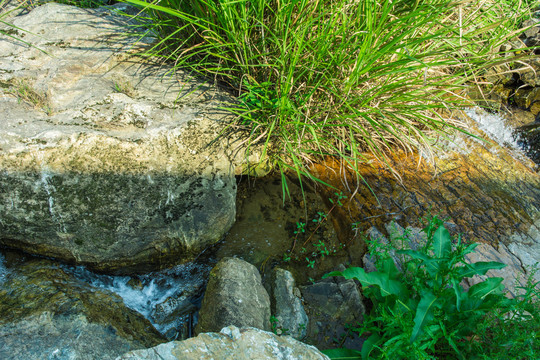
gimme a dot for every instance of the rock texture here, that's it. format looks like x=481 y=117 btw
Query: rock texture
x=106 y=160
x=330 y=305
x=234 y=296
x=488 y=193
x=515 y=274
x=47 y=314
x=529 y=136
x=231 y=343
x=287 y=308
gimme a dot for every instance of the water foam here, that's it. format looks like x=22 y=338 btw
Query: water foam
x=494 y=126
x=3 y=270
x=157 y=296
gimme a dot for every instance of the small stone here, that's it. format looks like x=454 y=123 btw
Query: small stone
x=287 y=305
x=331 y=303
x=234 y=296
x=533 y=27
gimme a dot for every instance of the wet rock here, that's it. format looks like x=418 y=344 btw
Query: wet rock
x=487 y=192
x=526 y=97
x=529 y=137
x=106 y=160
x=171 y=310
x=330 y=305
x=47 y=314
x=231 y=343
x=287 y=308
x=234 y=296
x=529 y=74
x=531 y=36
x=168 y=298
x=514 y=275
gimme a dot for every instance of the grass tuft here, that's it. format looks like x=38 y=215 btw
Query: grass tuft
x=349 y=79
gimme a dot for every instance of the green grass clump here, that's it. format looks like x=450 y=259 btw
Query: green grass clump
x=350 y=79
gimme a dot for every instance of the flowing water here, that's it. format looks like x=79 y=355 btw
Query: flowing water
x=3 y=270
x=167 y=298
x=501 y=128
x=494 y=126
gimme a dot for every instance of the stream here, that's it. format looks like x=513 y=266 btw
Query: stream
x=262 y=235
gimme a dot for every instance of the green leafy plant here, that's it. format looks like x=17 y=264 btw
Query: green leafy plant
x=276 y=329
x=319 y=249
x=423 y=311
x=300 y=227
x=286 y=257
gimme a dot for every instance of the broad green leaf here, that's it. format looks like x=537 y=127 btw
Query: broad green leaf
x=386 y=285
x=479 y=268
x=489 y=286
x=442 y=242
x=342 y=354
x=431 y=264
x=389 y=267
x=470 y=249
x=470 y=304
x=415 y=254
x=424 y=313
x=460 y=294
x=369 y=345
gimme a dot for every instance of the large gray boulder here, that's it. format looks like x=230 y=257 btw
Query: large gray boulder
x=106 y=160
x=234 y=296
x=231 y=343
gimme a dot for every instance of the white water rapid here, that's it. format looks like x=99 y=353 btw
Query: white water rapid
x=166 y=298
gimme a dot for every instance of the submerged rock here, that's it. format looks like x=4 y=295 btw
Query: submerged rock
x=47 y=314
x=231 y=343
x=234 y=296
x=105 y=160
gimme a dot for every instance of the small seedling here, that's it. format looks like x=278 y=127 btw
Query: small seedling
x=321 y=217
x=340 y=197
x=124 y=87
x=300 y=228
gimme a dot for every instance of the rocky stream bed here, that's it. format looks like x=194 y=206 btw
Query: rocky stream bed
x=124 y=226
